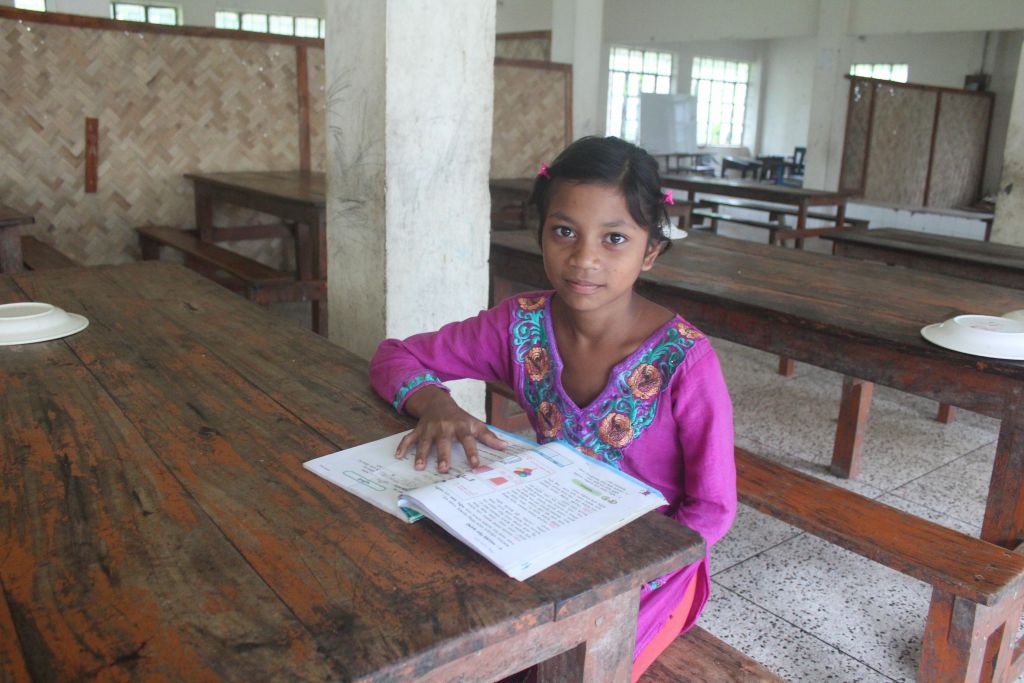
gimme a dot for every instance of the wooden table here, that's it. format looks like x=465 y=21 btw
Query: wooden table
x=860 y=319
x=298 y=198
x=10 y=238
x=156 y=521
x=997 y=264
x=802 y=198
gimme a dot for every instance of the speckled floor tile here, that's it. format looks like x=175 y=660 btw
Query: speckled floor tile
x=753 y=532
x=958 y=489
x=870 y=612
x=789 y=651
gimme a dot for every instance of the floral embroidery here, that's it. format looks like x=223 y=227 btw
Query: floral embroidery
x=413 y=383
x=644 y=381
x=537 y=363
x=616 y=430
x=607 y=426
x=550 y=419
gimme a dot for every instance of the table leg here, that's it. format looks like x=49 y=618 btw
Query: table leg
x=853 y=418
x=787 y=366
x=1004 y=511
x=946 y=413
x=204 y=213
x=10 y=249
x=801 y=224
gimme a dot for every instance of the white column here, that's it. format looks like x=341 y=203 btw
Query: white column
x=577 y=29
x=409 y=114
x=826 y=127
x=1008 y=227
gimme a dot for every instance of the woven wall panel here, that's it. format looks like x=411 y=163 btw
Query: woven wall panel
x=523 y=48
x=166 y=105
x=901 y=135
x=959 y=156
x=317 y=109
x=530 y=109
x=855 y=147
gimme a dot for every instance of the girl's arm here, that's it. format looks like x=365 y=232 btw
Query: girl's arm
x=703 y=413
x=409 y=374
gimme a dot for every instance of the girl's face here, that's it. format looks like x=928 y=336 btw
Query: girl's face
x=593 y=249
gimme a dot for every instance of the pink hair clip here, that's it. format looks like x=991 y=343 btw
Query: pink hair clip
x=544 y=171
x=667 y=198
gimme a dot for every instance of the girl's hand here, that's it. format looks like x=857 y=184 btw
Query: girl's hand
x=441 y=421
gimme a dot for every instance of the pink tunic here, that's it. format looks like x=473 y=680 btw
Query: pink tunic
x=665 y=416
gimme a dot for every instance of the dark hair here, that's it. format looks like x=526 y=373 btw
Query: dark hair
x=610 y=161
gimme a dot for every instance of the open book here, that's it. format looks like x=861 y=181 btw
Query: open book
x=523 y=509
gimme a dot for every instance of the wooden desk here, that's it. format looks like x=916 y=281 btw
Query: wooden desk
x=10 y=238
x=298 y=198
x=800 y=197
x=997 y=264
x=860 y=319
x=156 y=521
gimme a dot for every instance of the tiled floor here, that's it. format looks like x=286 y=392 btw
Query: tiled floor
x=809 y=610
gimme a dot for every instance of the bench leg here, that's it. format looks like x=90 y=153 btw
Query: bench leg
x=946 y=414
x=150 y=249
x=320 y=316
x=787 y=366
x=854 y=407
x=964 y=641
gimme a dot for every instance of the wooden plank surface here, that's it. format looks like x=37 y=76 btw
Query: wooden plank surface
x=303 y=187
x=1000 y=264
x=749 y=189
x=179 y=420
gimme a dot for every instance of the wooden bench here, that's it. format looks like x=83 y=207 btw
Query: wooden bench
x=774 y=211
x=715 y=217
x=977 y=587
x=256 y=281
x=38 y=255
x=699 y=656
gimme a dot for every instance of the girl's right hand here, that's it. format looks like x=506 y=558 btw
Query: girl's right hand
x=442 y=421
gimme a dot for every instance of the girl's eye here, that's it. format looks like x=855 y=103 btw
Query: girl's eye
x=563 y=231
x=616 y=238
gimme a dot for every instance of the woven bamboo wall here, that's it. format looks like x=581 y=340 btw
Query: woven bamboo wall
x=959 y=159
x=915 y=145
x=523 y=46
x=532 y=108
x=166 y=104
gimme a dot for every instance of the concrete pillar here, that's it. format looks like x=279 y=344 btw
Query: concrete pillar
x=410 y=98
x=576 y=38
x=829 y=90
x=1008 y=227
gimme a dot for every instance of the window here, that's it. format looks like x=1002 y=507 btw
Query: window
x=152 y=14
x=721 y=91
x=630 y=73
x=37 y=5
x=280 y=24
x=885 y=72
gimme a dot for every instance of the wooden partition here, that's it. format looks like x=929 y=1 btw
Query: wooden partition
x=532 y=115
x=162 y=101
x=914 y=144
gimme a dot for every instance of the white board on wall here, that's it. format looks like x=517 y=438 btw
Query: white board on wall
x=668 y=123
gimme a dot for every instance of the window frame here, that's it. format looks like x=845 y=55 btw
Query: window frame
x=876 y=70
x=309 y=20
x=651 y=71
x=714 y=83
x=146 y=7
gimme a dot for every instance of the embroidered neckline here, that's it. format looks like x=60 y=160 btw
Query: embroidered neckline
x=623 y=409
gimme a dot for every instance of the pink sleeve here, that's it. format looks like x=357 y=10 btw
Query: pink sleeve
x=703 y=413
x=475 y=348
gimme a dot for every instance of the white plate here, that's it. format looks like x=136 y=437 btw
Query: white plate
x=990 y=336
x=32 y=321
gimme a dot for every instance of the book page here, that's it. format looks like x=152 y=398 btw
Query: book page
x=528 y=510
x=372 y=472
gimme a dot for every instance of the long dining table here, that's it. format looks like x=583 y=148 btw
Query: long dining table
x=156 y=522
x=860 y=319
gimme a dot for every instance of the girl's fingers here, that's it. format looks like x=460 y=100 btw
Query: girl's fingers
x=422 y=451
x=469 y=445
x=444 y=453
x=489 y=438
x=404 y=444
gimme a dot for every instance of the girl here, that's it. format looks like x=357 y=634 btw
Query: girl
x=593 y=364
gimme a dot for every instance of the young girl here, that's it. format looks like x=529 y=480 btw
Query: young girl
x=593 y=364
